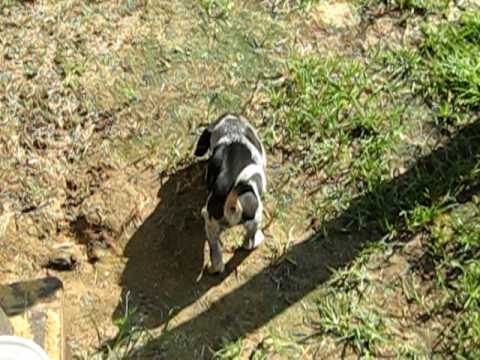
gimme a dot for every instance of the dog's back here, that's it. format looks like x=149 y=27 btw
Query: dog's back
x=231 y=128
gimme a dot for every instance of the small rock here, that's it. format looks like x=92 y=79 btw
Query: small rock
x=337 y=14
x=61 y=263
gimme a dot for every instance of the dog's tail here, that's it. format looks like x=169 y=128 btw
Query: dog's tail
x=203 y=143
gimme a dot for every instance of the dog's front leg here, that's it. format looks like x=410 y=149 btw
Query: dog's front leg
x=253 y=236
x=213 y=230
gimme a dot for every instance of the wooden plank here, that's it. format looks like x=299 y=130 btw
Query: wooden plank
x=5 y=325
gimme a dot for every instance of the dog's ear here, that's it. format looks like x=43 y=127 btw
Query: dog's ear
x=203 y=143
x=241 y=204
x=216 y=181
x=253 y=138
x=249 y=203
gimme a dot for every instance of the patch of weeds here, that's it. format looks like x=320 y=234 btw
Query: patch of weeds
x=353 y=278
x=217 y=9
x=456 y=88
x=445 y=70
x=276 y=345
x=6 y=4
x=128 y=7
x=455 y=244
x=350 y=312
x=71 y=68
x=369 y=169
x=451 y=57
x=129 y=337
x=71 y=73
x=129 y=93
x=343 y=317
x=415 y=6
x=337 y=117
x=230 y=350
x=289 y=6
x=343 y=313
x=422 y=216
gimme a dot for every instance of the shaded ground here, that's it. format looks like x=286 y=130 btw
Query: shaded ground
x=165 y=256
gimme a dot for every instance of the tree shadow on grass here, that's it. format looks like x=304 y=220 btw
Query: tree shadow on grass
x=260 y=299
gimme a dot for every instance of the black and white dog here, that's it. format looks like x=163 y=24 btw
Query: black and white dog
x=236 y=180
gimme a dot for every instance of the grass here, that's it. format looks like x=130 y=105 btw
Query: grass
x=455 y=247
x=342 y=122
x=346 y=121
x=129 y=337
x=342 y=102
x=115 y=102
x=407 y=6
x=229 y=351
x=217 y=9
x=450 y=53
x=331 y=115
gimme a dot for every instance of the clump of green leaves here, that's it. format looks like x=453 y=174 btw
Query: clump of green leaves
x=455 y=246
x=451 y=58
x=324 y=106
x=418 y=6
x=128 y=338
x=342 y=316
x=218 y=9
x=230 y=350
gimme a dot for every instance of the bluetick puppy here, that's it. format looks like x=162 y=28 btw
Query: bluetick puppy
x=236 y=180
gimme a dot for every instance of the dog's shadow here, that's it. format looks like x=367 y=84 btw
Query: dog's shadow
x=166 y=254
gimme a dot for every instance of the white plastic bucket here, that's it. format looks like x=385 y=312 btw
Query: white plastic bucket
x=17 y=348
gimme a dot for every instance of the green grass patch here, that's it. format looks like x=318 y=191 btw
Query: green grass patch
x=415 y=6
x=348 y=122
x=230 y=350
x=451 y=57
x=324 y=107
x=454 y=245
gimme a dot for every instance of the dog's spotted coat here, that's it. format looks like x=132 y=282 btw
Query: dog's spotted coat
x=236 y=180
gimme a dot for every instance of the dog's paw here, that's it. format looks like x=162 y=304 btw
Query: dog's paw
x=255 y=241
x=204 y=212
x=216 y=268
